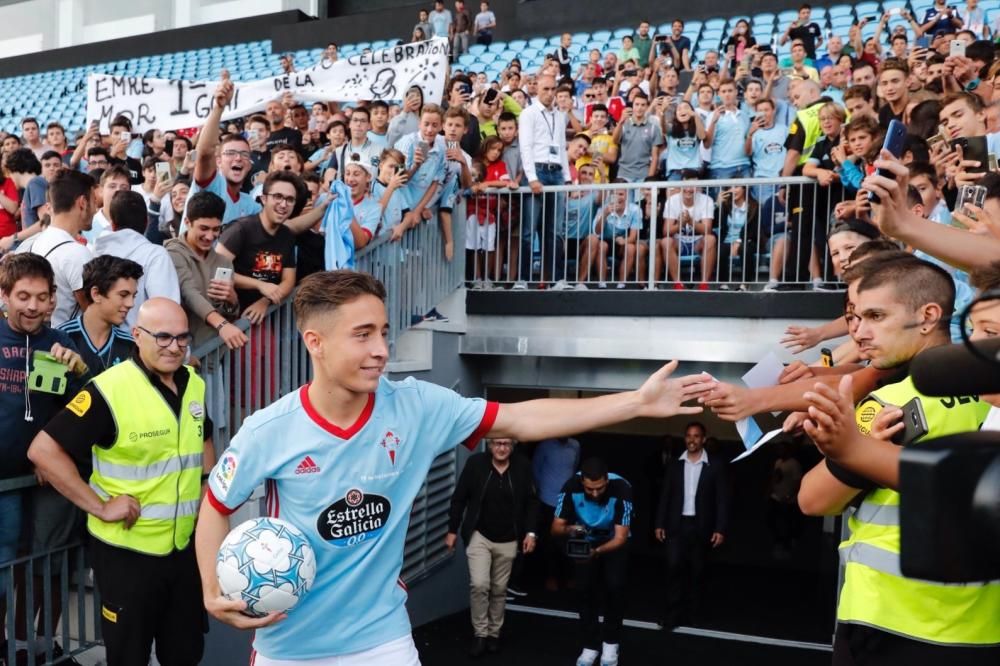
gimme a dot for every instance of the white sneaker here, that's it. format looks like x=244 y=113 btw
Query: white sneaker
x=609 y=654
x=817 y=283
x=620 y=285
x=602 y=285
x=586 y=657
x=581 y=286
x=772 y=285
x=520 y=285
x=561 y=285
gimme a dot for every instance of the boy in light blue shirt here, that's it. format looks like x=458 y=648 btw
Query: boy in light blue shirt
x=725 y=135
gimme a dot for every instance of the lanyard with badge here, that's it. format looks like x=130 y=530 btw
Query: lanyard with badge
x=551 y=127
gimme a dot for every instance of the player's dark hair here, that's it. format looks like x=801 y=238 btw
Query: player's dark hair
x=128 y=211
x=23 y=160
x=66 y=188
x=594 y=469
x=696 y=424
x=322 y=293
x=205 y=205
x=25 y=265
x=915 y=283
x=102 y=272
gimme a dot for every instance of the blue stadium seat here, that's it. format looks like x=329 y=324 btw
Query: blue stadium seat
x=715 y=24
x=538 y=43
x=517 y=44
x=497 y=47
x=623 y=32
x=867 y=9
x=580 y=38
x=601 y=35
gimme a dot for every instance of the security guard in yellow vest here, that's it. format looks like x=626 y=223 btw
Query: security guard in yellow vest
x=144 y=423
x=885 y=618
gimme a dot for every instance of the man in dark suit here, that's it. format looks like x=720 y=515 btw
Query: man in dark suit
x=691 y=518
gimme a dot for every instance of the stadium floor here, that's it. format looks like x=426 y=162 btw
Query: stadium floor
x=534 y=640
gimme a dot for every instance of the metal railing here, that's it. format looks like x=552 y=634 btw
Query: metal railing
x=52 y=611
x=652 y=235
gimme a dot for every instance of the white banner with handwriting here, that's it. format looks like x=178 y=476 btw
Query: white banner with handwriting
x=169 y=104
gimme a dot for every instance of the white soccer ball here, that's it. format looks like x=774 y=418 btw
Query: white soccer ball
x=266 y=562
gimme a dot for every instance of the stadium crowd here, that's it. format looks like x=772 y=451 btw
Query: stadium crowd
x=102 y=234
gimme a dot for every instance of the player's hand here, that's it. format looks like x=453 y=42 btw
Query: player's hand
x=888 y=423
x=224 y=93
x=831 y=418
x=793 y=422
x=123 y=508
x=221 y=290
x=449 y=541
x=231 y=613
x=800 y=338
x=795 y=371
x=271 y=292
x=255 y=313
x=660 y=534
x=69 y=358
x=528 y=545
x=717 y=539
x=232 y=335
x=728 y=401
x=891 y=214
x=662 y=396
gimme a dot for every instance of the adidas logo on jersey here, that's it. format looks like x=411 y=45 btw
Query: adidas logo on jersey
x=307 y=466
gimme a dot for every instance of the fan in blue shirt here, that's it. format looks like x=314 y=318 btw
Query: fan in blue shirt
x=344 y=457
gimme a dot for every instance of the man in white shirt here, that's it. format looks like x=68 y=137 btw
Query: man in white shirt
x=687 y=221
x=127 y=212
x=114 y=179
x=542 y=140
x=71 y=194
x=691 y=518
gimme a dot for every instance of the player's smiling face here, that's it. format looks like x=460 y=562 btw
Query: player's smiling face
x=353 y=344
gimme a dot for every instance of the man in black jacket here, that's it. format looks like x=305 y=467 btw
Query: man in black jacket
x=496 y=504
x=692 y=516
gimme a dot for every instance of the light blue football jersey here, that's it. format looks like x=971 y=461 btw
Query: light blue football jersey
x=243 y=205
x=350 y=492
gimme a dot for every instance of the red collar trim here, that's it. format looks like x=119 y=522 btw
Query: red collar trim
x=358 y=200
x=331 y=428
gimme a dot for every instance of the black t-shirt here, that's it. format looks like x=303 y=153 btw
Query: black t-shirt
x=796 y=139
x=77 y=432
x=496 y=517
x=258 y=254
x=285 y=135
x=134 y=167
x=809 y=34
x=885 y=114
x=821 y=152
x=310 y=249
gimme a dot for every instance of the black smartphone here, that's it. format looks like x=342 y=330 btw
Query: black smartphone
x=630 y=72
x=490 y=96
x=915 y=423
x=895 y=138
x=974 y=148
x=168 y=147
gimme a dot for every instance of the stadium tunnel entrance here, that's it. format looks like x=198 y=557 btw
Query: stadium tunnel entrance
x=754 y=586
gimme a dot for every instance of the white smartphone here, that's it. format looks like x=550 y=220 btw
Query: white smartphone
x=224 y=274
x=125 y=136
x=162 y=172
x=957 y=48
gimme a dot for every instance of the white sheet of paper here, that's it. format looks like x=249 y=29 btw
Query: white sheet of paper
x=765 y=373
x=761 y=442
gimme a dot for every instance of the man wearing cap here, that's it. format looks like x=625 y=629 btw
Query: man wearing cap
x=367 y=211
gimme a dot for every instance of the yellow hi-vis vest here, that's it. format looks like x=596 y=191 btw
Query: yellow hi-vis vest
x=809 y=120
x=156 y=458
x=875 y=592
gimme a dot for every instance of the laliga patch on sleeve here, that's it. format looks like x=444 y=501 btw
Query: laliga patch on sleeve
x=81 y=403
x=866 y=413
x=225 y=472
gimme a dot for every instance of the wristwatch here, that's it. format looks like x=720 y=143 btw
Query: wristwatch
x=221 y=324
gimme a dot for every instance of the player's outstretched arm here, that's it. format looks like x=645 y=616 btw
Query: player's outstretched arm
x=661 y=396
x=212 y=529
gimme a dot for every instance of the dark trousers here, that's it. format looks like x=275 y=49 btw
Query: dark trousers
x=552 y=549
x=856 y=645
x=145 y=597
x=539 y=217
x=687 y=554
x=602 y=577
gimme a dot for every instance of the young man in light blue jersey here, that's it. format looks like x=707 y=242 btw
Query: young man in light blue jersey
x=367 y=212
x=765 y=145
x=368 y=444
x=424 y=151
x=725 y=134
x=223 y=174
